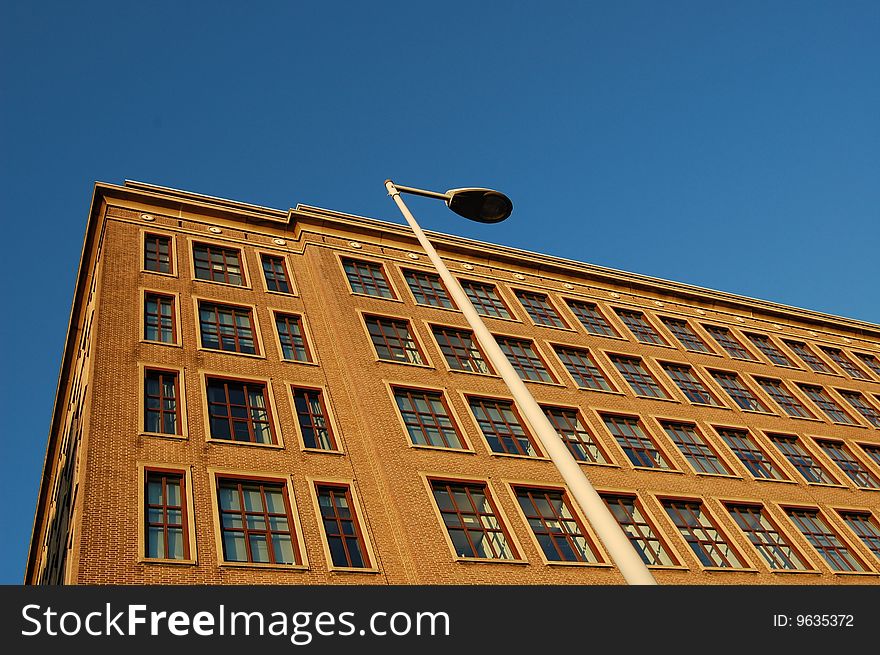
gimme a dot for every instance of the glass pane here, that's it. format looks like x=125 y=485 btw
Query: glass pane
x=234 y=548
x=155 y=516
x=174 y=517
x=172 y=491
x=275 y=502
x=229 y=498
x=175 y=543
x=259 y=548
x=230 y=520
x=155 y=543
x=283 y=549
x=256 y=522
x=154 y=492
x=252 y=499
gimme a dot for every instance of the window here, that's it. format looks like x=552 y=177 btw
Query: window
x=750 y=454
x=832 y=410
x=294 y=347
x=628 y=512
x=313 y=419
x=524 y=359
x=686 y=335
x=856 y=471
x=865 y=526
x=811 y=470
x=167 y=532
x=784 y=398
x=765 y=345
x=731 y=345
x=574 y=433
x=392 y=340
x=861 y=405
x=824 y=539
x=642 y=330
x=553 y=521
x=160 y=323
x=471 y=520
x=694 y=448
x=157 y=253
x=591 y=318
x=426 y=417
x=700 y=532
x=738 y=392
x=161 y=408
x=689 y=384
x=275 y=273
x=227 y=328
x=341 y=527
x=217 y=264
x=239 y=411
x=460 y=350
x=638 y=446
x=845 y=363
x=539 y=309
x=870 y=361
x=773 y=546
x=810 y=358
x=367 y=278
x=256 y=522
x=502 y=428
x=873 y=452
x=485 y=299
x=427 y=289
x=641 y=381
x=582 y=367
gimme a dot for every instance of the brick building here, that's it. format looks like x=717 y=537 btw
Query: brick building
x=257 y=396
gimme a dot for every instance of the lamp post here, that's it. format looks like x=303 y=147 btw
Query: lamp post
x=487 y=206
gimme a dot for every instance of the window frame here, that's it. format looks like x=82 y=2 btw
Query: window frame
x=830 y=352
x=841 y=535
x=659 y=447
x=511 y=316
x=358 y=513
x=413 y=333
x=785 y=531
x=844 y=475
x=663 y=318
x=286 y=262
x=769 y=454
x=185 y=471
x=329 y=417
x=142 y=316
x=533 y=344
x=649 y=370
x=649 y=518
x=866 y=400
x=698 y=376
x=615 y=331
x=789 y=386
x=408 y=269
x=592 y=356
x=498 y=511
x=215 y=474
x=225 y=245
x=182 y=414
x=274 y=419
x=664 y=341
x=825 y=370
x=873 y=517
x=755 y=337
x=430 y=325
x=172 y=251
x=841 y=406
x=734 y=337
x=357 y=257
x=818 y=462
x=863 y=357
x=581 y=415
x=392 y=386
x=564 y=325
x=663 y=421
x=766 y=411
x=531 y=438
x=274 y=312
x=718 y=526
x=255 y=326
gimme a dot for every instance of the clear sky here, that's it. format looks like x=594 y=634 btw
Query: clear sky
x=732 y=145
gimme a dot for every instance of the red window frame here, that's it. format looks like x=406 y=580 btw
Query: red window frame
x=164 y=318
x=230 y=418
x=228 y=333
x=155 y=260
x=342 y=526
x=540 y=309
x=313 y=423
x=161 y=401
x=275 y=273
x=471 y=519
x=292 y=337
x=165 y=524
x=218 y=264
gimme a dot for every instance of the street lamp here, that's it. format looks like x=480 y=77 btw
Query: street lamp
x=488 y=206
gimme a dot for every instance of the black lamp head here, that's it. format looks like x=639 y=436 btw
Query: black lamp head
x=481 y=205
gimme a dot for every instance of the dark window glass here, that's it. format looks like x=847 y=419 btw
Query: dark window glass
x=501 y=426
x=856 y=471
x=165 y=516
x=824 y=540
x=810 y=358
x=689 y=384
x=765 y=345
x=217 y=264
x=574 y=433
x=427 y=419
x=427 y=289
x=638 y=446
x=870 y=361
x=582 y=367
x=392 y=339
x=311 y=415
x=292 y=337
x=873 y=452
x=159 y=322
x=738 y=392
x=460 y=349
x=275 y=273
x=731 y=345
x=836 y=355
x=256 y=523
x=824 y=401
x=803 y=461
x=552 y=520
x=774 y=547
x=628 y=512
x=471 y=520
x=239 y=411
x=485 y=299
x=227 y=328
x=524 y=359
x=700 y=532
x=685 y=335
x=157 y=253
x=634 y=372
x=866 y=528
x=858 y=403
x=161 y=409
x=539 y=309
x=341 y=527
x=695 y=449
x=784 y=398
x=750 y=454
x=367 y=278
x=642 y=330
x=591 y=318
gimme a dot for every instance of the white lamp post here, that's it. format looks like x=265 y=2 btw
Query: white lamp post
x=487 y=206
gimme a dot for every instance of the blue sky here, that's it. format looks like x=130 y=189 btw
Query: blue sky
x=732 y=145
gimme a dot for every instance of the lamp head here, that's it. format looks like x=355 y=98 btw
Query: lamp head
x=481 y=205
